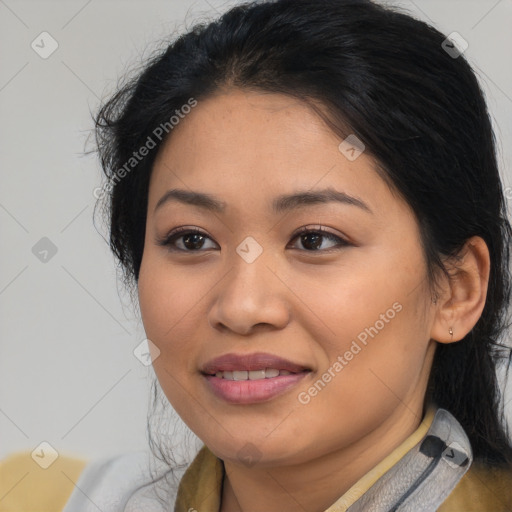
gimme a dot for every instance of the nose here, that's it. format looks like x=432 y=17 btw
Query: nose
x=250 y=297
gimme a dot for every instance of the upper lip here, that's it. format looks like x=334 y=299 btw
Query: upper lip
x=248 y=362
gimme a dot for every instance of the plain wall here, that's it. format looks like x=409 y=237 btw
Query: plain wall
x=68 y=374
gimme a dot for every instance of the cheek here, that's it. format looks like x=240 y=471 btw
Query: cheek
x=166 y=305
x=373 y=368
x=168 y=294
x=167 y=311
x=366 y=297
x=372 y=318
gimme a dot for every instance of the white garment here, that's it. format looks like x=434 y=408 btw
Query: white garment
x=121 y=484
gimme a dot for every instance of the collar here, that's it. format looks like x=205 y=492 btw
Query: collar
x=416 y=476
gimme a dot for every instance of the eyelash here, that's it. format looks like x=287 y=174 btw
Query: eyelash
x=174 y=235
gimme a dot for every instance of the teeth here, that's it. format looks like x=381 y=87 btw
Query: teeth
x=256 y=374
x=268 y=373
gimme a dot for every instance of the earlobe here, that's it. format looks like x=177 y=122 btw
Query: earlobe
x=462 y=301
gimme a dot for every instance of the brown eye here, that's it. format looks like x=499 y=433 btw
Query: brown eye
x=313 y=240
x=186 y=240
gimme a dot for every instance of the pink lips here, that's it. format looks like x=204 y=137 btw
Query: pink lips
x=251 y=391
x=257 y=361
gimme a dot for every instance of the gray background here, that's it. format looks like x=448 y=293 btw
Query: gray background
x=68 y=374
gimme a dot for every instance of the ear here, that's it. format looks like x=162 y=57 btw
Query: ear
x=462 y=301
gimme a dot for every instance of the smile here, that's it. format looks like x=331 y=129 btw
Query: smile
x=267 y=373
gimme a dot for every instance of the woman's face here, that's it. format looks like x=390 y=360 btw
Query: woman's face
x=346 y=309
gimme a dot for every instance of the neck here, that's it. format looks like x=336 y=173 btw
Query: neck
x=315 y=484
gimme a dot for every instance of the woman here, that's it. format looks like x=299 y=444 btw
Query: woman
x=306 y=198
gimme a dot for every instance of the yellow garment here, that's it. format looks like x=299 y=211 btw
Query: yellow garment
x=481 y=489
x=26 y=487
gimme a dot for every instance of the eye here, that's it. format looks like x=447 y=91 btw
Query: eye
x=193 y=240
x=312 y=239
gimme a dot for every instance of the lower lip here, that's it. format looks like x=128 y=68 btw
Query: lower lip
x=252 y=391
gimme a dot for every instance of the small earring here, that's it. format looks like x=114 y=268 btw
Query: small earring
x=450 y=330
x=434 y=300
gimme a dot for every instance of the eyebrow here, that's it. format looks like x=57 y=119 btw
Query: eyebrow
x=280 y=204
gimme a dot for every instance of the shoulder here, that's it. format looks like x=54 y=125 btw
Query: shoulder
x=26 y=484
x=123 y=482
x=129 y=482
x=483 y=487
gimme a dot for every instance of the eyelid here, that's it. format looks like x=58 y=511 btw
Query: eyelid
x=165 y=240
x=341 y=240
x=317 y=228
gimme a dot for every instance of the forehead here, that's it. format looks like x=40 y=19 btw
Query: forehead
x=249 y=145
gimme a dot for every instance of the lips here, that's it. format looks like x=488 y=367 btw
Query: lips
x=251 y=378
x=250 y=362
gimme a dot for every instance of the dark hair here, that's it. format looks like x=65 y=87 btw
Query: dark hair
x=377 y=73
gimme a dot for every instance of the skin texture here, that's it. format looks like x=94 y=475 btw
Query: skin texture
x=306 y=305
